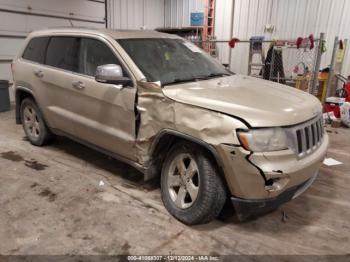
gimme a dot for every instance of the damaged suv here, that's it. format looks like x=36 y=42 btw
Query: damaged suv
x=160 y=104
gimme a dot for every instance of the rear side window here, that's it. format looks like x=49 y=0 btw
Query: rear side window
x=35 y=50
x=62 y=52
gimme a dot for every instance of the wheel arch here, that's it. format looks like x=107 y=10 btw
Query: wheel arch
x=20 y=94
x=165 y=140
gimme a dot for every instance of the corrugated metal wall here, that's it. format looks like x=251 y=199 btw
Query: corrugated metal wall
x=223 y=27
x=177 y=12
x=292 y=18
x=134 y=14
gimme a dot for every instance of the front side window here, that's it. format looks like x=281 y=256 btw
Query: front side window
x=35 y=50
x=62 y=52
x=94 y=53
x=171 y=60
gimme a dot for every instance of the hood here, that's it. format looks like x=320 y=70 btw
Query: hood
x=259 y=102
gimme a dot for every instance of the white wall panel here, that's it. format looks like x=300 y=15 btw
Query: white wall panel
x=292 y=18
x=223 y=27
x=9 y=47
x=177 y=12
x=134 y=14
x=12 y=24
x=83 y=9
x=19 y=24
x=5 y=71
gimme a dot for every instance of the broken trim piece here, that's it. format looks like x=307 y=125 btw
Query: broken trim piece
x=259 y=169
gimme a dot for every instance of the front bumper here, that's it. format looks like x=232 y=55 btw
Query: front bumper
x=251 y=175
x=248 y=208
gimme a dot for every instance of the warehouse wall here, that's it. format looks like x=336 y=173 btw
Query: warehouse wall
x=134 y=14
x=18 y=18
x=223 y=27
x=177 y=12
x=292 y=18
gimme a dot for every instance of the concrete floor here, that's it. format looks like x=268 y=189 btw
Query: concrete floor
x=51 y=203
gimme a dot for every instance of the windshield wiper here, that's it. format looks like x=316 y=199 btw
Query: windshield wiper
x=197 y=78
x=218 y=75
x=180 y=80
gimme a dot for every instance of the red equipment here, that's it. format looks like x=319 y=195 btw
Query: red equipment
x=343 y=95
x=310 y=41
x=344 y=91
x=331 y=107
x=347 y=92
x=232 y=42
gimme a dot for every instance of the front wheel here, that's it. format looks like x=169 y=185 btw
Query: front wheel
x=192 y=190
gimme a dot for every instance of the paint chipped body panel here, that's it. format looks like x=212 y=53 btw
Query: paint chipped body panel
x=128 y=123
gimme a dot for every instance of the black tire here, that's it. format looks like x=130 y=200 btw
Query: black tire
x=44 y=135
x=211 y=195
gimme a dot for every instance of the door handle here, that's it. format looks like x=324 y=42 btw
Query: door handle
x=38 y=73
x=78 y=85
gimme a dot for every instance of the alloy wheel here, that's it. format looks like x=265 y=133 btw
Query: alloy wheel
x=183 y=181
x=31 y=122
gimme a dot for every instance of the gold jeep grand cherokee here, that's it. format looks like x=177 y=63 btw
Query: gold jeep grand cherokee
x=159 y=103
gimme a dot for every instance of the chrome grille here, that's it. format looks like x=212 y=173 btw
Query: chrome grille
x=307 y=137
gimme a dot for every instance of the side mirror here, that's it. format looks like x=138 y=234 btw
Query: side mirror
x=112 y=74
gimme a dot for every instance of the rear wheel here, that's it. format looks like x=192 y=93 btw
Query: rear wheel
x=33 y=123
x=192 y=190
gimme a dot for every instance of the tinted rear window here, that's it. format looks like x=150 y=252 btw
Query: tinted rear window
x=62 y=52
x=35 y=50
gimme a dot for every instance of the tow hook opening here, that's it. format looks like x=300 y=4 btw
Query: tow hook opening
x=269 y=182
x=276 y=184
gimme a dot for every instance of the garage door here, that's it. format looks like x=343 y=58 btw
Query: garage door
x=19 y=17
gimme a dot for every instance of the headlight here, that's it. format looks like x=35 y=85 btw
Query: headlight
x=263 y=140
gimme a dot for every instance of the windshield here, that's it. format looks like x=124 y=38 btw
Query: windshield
x=171 y=60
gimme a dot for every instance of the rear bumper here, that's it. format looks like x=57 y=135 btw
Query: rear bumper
x=248 y=208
